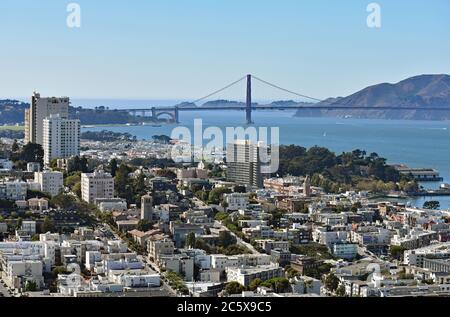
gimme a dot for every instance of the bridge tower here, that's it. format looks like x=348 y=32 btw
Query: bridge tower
x=177 y=115
x=249 y=100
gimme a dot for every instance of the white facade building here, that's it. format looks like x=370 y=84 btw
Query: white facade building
x=13 y=190
x=236 y=201
x=96 y=185
x=245 y=275
x=40 y=109
x=61 y=138
x=50 y=182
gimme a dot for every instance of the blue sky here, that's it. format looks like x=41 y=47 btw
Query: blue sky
x=184 y=49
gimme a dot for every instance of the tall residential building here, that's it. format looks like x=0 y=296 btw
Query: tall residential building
x=50 y=182
x=96 y=185
x=147 y=208
x=61 y=138
x=40 y=109
x=244 y=164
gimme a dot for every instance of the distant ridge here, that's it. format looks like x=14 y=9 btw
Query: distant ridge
x=422 y=91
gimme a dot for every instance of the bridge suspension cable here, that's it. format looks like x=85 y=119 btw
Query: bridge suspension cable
x=220 y=90
x=286 y=90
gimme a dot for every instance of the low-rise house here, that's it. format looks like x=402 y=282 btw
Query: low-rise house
x=111 y=204
x=236 y=201
x=127 y=225
x=38 y=204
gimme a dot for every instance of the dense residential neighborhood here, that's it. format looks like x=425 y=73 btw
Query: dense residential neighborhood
x=86 y=218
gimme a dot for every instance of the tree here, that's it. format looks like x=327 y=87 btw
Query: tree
x=77 y=164
x=216 y=195
x=139 y=188
x=340 y=292
x=30 y=286
x=279 y=285
x=63 y=201
x=113 y=166
x=15 y=147
x=143 y=225
x=190 y=240
x=123 y=184
x=37 y=194
x=48 y=225
x=255 y=284
x=59 y=270
x=397 y=252
x=225 y=205
x=77 y=189
x=220 y=216
x=19 y=223
x=233 y=288
x=433 y=205
x=166 y=173
x=72 y=179
x=226 y=239
x=31 y=152
x=331 y=282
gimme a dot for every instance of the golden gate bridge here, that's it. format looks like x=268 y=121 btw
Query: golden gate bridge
x=174 y=111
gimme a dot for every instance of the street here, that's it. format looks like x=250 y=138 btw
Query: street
x=3 y=290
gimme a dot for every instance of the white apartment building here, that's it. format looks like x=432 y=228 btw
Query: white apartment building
x=245 y=275
x=18 y=273
x=416 y=238
x=13 y=190
x=50 y=182
x=33 y=167
x=96 y=185
x=40 y=109
x=416 y=257
x=6 y=165
x=236 y=201
x=111 y=204
x=221 y=262
x=157 y=248
x=29 y=227
x=61 y=138
x=135 y=278
x=43 y=250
